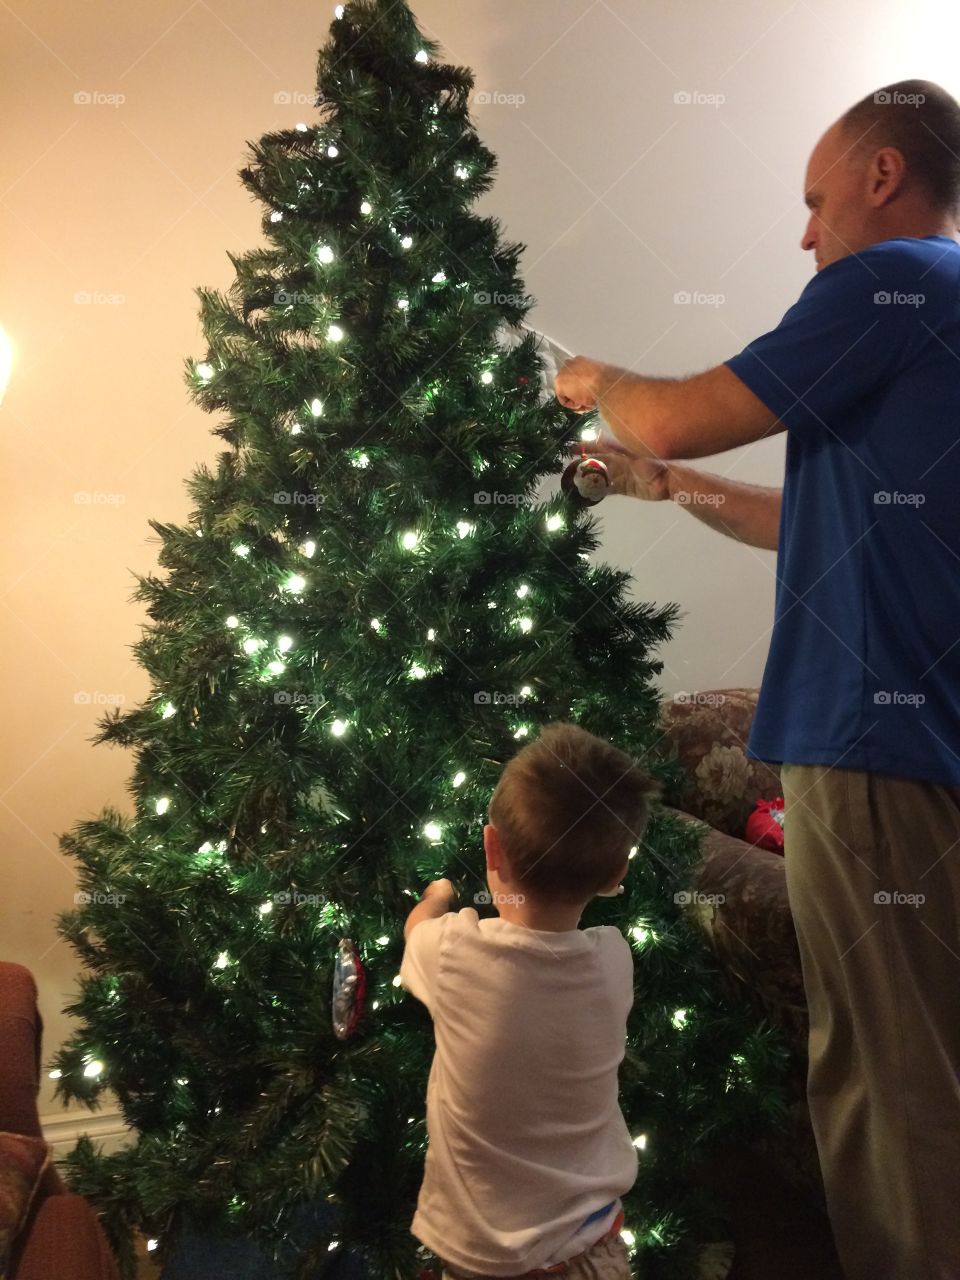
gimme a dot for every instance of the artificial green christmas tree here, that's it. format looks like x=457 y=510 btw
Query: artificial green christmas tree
x=367 y=613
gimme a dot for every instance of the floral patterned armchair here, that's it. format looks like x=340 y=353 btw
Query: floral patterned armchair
x=739 y=902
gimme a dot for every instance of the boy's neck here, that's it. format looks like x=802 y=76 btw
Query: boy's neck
x=544 y=917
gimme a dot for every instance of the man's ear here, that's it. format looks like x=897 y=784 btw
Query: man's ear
x=491 y=847
x=609 y=890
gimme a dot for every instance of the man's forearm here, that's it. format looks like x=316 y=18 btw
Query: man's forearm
x=626 y=399
x=748 y=512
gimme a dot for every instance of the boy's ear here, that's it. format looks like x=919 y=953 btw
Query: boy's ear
x=491 y=846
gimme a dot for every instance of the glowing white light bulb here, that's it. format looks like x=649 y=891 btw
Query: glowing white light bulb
x=284 y=643
x=407 y=242
x=464 y=528
x=324 y=253
x=486 y=377
x=628 y=1238
x=308 y=548
x=522 y=731
x=233 y=621
x=92 y=1070
x=459 y=778
x=679 y=1018
x=332 y=151
x=417 y=672
x=338 y=728
x=422 y=56
x=276 y=668
x=433 y=831
x=374 y=624
x=55 y=1074
x=439 y=278
x=316 y=407
x=361 y=460
x=163 y=804
x=640 y=933
x=461 y=172
x=382 y=940
x=366 y=207
x=589 y=433
x=396 y=980
x=251 y=644
x=300 y=127
x=266 y=908
x=241 y=549
x=204 y=372
x=431 y=634
x=632 y=853
x=151 y=1245
x=335 y=333
x=403 y=304
x=523 y=590
x=554 y=522
x=525 y=624
x=338 y=11
x=296 y=582
x=276 y=216
x=410 y=540
x=526 y=692
x=222 y=960
x=168 y=710
x=296 y=429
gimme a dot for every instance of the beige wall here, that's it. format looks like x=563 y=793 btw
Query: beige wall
x=623 y=196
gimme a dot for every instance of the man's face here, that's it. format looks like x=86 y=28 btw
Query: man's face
x=835 y=191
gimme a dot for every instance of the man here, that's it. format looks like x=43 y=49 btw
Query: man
x=860 y=701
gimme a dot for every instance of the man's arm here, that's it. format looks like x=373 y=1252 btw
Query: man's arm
x=748 y=512
x=438 y=897
x=693 y=417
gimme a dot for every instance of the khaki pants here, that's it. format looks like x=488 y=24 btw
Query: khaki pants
x=607 y=1260
x=873 y=877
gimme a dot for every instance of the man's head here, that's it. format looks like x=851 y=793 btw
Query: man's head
x=890 y=166
x=564 y=814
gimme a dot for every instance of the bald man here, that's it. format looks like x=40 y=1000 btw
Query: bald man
x=860 y=700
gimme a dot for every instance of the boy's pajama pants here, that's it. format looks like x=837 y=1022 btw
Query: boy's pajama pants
x=873 y=879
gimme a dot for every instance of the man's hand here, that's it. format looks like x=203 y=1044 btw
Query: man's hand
x=630 y=474
x=578 y=383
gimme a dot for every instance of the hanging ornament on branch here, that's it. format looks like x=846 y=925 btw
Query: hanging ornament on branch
x=586 y=480
x=349 y=989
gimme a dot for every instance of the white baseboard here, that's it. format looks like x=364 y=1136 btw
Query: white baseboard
x=107 y=1129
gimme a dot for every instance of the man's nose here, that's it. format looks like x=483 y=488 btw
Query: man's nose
x=809 y=238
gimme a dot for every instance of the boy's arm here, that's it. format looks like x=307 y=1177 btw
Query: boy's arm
x=437 y=899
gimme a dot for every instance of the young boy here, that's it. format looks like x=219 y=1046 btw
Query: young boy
x=528 y=1151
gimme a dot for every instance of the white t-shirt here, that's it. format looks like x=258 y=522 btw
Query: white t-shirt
x=526 y=1135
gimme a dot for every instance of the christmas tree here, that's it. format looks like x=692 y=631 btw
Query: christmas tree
x=371 y=607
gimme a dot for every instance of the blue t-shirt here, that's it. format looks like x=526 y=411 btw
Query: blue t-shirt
x=864 y=372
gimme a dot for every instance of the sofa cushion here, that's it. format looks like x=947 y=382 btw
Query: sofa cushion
x=22 y=1164
x=708 y=731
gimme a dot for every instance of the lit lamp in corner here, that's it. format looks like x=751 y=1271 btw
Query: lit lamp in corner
x=6 y=361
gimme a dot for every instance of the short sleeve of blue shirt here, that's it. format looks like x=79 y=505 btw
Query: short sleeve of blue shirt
x=848 y=333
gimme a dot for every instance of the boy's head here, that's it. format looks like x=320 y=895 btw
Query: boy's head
x=567 y=809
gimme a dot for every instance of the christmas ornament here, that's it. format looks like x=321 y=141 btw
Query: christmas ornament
x=765 y=825
x=349 y=987
x=586 y=481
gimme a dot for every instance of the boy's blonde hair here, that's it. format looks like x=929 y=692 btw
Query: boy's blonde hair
x=567 y=808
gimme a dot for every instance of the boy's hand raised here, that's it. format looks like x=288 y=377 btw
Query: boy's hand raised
x=631 y=474
x=440 y=889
